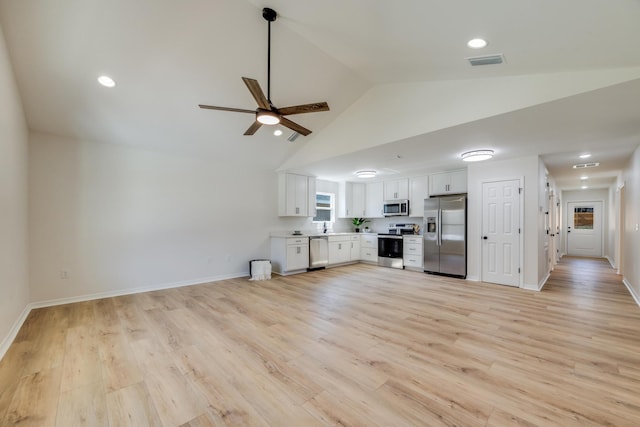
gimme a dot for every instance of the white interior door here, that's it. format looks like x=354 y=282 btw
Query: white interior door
x=584 y=229
x=501 y=232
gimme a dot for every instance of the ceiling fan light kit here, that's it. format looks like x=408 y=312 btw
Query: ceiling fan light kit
x=477 y=155
x=267 y=113
x=267 y=118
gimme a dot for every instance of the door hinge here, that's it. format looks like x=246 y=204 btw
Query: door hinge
x=518 y=270
x=519 y=231
x=520 y=190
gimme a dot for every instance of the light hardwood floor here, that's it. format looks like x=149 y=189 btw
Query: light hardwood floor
x=351 y=346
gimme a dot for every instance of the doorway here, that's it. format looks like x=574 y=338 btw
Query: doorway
x=584 y=229
x=501 y=232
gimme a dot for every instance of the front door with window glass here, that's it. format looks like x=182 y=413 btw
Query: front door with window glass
x=584 y=229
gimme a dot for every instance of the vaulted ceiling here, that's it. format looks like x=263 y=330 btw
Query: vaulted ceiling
x=571 y=81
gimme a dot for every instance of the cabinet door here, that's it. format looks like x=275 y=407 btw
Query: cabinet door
x=438 y=183
x=293 y=194
x=311 y=196
x=358 y=198
x=374 y=200
x=297 y=257
x=354 y=253
x=339 y=252
x=458 y=182
x=419 y=192
x=396 y=189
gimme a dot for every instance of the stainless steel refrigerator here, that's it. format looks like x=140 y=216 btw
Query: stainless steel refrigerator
x=445 y=235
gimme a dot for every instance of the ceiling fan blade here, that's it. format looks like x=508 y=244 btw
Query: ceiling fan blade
x=253 y=128
x=301 y=109
x=258 y=94
x=294 y=126
x=236 y=110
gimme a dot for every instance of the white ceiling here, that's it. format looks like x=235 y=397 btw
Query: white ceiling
x=169 y=56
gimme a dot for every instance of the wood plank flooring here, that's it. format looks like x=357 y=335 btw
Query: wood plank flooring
x=351 y=346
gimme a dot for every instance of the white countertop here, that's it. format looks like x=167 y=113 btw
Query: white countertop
x=287 y=235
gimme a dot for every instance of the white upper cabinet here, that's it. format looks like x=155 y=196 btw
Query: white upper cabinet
x=352 y=200
x=296 y=195
x=419 y=191
x=374 y=199
x=453 y=182
x=396 y=189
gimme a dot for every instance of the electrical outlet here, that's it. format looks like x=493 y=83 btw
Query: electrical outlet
x=64 y=274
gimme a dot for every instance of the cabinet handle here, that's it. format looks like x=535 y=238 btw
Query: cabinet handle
x=298 y=250
x=339 y=245
x=347 y=212
x=297 y=210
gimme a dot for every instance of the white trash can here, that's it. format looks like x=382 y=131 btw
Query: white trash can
x=260 y=269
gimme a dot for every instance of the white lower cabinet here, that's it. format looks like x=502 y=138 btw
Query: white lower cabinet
x=343 y=249
x=412 y=252
x=355 y=248
x=369 y=248
x=289 y=255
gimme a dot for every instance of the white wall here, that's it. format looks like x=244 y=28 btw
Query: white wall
x=527 y=170
x=588 y=195
x=631 y=237
x=118 y=219
x=14 y=286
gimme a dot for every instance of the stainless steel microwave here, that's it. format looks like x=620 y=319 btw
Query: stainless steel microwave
x=396 y=208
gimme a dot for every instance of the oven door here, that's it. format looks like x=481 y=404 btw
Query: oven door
x=390 y=251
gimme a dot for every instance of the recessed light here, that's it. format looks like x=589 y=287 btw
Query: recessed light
x=477 y=43
x=106 y=81
x=477 y=155
x=277 y=132
x=584 y=187
x=366 y=174
x=584 y=178
x=585 y=156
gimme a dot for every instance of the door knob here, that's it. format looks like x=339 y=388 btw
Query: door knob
x=485 y=237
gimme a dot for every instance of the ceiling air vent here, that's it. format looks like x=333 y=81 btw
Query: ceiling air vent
x=486 y=60
x=293 y=136
x=586 y=165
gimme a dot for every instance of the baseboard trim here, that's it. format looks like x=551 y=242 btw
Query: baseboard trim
x=13 y=332
x=610 y=262
x=121 y=292
x=539 y=286
x=8 y=340
x=473 y=278
x=633 y=293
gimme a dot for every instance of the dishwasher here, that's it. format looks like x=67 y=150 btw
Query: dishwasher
x=318 y=252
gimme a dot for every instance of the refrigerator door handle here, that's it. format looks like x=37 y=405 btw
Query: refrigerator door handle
x=439 y=228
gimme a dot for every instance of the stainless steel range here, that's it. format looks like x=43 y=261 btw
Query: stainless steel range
x=390 y=245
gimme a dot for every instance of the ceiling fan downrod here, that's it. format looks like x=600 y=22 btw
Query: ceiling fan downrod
x=270 y=15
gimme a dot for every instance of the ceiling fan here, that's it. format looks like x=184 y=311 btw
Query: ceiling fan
x=267 y=113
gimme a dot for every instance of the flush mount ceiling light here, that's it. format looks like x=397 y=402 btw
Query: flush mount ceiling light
x=106 y=81
x=584 y=178
x=585 y=156
x=477 y=43
x=277 y=132
x=266 y=117
x=477 y=155
x=366 y=174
